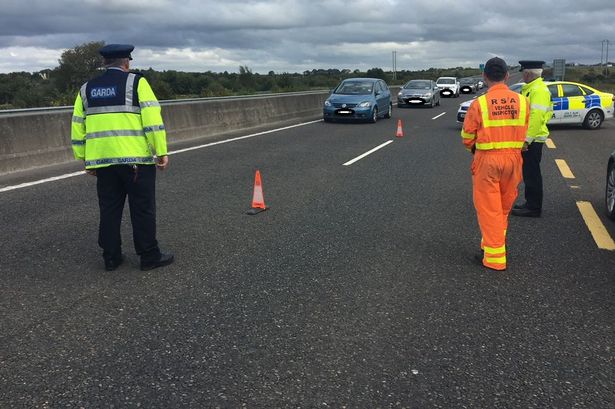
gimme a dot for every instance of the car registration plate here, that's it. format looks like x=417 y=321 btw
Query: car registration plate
x=344 y=112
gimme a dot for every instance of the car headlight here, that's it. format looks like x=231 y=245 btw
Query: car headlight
x=365 y=104
x=327 y=103
x=427 y=95
x=400 y=93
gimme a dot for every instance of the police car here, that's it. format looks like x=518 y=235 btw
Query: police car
x=573 y=103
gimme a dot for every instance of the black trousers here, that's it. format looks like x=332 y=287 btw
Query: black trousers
x=532 y=178
x=113 y=184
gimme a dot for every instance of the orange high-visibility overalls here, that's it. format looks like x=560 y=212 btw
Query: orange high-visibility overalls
x=495 y=128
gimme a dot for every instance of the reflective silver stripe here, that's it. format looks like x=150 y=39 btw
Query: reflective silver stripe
x=84 y=96
x=130 y=84
x=117 y=132
x=78 y=119
x=114 y=109
x=119 y=161
x=147 y=104
x=154 y=128
x=75 y=142
x=540 y=107
x=530 y=139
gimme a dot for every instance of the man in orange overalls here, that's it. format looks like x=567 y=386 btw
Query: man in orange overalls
x=494 y=130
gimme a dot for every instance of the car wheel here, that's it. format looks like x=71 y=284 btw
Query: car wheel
x=593 y=119
x=433 y=102
x=610 y=191
x=374 y=117
x=389 y=112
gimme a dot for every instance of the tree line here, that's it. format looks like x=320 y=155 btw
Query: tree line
x=59 y=86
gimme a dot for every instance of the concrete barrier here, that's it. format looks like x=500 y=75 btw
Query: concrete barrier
x=40 y=137
x=207 y=118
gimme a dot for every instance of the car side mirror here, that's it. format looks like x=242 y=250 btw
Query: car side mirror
x=378 y=93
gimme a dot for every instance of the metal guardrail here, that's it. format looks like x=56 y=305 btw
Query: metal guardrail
x=170 y=101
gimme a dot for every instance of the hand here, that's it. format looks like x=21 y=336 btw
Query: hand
x=91 y=172
x=525 y=147
x=163 y=162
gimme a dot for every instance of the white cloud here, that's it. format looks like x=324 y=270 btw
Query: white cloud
x=295 y=35
x=29 y=59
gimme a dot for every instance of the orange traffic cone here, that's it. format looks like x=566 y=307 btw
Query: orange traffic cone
x=258 y=200
x=400 y=131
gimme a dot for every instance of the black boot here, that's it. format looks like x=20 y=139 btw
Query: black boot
x=113 y=263
x=165 y=260
x=525 y=212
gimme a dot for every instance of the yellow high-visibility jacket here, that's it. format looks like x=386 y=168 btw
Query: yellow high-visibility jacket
x=117 y=120
x=541 y=110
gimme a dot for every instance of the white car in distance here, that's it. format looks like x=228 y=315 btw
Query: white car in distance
x=448 y=86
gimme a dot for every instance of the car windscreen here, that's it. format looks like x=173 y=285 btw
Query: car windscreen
x=418 y=85
x=355 y=88
x=446 y=81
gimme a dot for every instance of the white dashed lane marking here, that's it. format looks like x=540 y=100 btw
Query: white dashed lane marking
x=438 y=116
x=358 y=158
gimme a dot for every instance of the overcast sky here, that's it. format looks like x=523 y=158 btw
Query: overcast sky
x=299 y=35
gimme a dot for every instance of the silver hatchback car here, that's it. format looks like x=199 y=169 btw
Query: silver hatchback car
x=419 y=92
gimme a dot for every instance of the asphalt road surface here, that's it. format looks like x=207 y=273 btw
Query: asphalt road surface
x=356 y=289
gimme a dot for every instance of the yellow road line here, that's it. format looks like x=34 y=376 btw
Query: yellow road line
x=550 y=144
x=596 y=228
x=564 y=169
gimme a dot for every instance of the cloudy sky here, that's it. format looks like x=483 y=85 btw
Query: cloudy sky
x=299 y=35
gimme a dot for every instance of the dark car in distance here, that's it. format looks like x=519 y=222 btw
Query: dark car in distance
x=469 y=85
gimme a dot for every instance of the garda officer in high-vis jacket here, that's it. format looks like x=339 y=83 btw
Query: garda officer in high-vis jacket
x=541 y=111
x=116 y=130
x=494 y=130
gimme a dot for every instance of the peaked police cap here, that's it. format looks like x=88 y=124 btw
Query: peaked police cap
x=111 y=51
x=530 y=64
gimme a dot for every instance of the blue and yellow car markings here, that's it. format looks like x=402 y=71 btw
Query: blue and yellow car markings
x=560 y=103
x=592 y=101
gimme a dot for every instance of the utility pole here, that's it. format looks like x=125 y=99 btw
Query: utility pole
x=602 y=55
x=605 y=65
x=607 y=58
x=394 y=65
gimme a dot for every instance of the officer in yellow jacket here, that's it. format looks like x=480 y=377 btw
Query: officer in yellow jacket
x=541 y=110
x=116 y=130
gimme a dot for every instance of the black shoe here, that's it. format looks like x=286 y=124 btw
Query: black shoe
x=113 y=263
x=525 y=212
x=165 y=260
x=520 y=206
